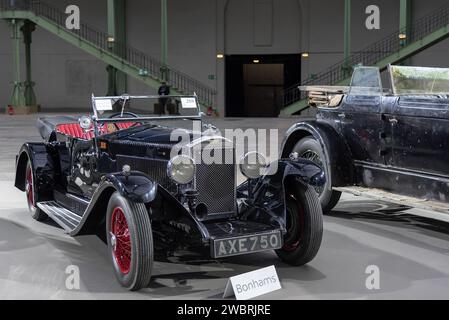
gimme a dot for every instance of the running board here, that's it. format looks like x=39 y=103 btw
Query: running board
x=62 y=216
x=422 y=207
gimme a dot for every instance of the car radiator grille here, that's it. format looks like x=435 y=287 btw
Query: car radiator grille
x=215 y=183
x=216 y=187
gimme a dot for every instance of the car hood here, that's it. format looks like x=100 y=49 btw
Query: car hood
x=150 y=133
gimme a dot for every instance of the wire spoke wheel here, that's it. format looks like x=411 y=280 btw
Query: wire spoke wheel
x=314 y=156
x=29 y=188
x=32 y=195
x=310 y=149
x=130 y=241
x=121 y=240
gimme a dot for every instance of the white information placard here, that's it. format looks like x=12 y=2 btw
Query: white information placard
x=188 y=103
x=103 y=104
x=253 y=284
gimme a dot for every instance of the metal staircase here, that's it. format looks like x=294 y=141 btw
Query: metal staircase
x=96 y=43
x=422 y=34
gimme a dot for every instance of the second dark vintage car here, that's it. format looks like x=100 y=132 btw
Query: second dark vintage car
x=389 y=144
x=114 y=175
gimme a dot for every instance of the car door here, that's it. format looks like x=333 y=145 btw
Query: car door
x=361 y=121
x=421 y=135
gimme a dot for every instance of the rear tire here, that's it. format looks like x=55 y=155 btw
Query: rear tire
x=130 y=242
x=310 y=149
x=30 y=191
x=304 y=226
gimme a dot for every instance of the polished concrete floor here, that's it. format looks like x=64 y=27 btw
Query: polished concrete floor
x=411 y=253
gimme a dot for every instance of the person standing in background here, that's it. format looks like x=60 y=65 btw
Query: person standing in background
x=164 y=90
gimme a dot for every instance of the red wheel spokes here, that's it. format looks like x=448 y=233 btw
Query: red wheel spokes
x=29 y=187
x=122 y=249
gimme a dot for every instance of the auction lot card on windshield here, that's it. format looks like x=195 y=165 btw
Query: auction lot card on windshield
x=189 y=103
x=103 y=104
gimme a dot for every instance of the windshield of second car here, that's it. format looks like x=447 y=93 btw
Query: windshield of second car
x=419 y=80
x=366 y=81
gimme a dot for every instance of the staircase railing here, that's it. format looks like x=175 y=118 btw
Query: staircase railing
x=372 y=54
x=145 y=64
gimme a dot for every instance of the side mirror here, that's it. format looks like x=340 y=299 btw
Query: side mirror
x=85 y=123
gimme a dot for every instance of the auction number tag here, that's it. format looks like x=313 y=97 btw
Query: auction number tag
x=103 y=104
x=189 y=103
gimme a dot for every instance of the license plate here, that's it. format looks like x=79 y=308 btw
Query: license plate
x=247 y=244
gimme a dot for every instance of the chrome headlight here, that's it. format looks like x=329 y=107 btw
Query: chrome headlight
x=253 y=165
x=181 y=169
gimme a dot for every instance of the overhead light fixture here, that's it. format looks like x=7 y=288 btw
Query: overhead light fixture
x=402 y=36
x=256 y=61
x=220 y=56
x=111 y=39
x=305 y=54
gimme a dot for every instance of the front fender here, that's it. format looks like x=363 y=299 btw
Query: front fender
x=267 y=201
x=134 y=186
x=337 y=154
x=173 y=225
x=306 y=170
x=139 y=188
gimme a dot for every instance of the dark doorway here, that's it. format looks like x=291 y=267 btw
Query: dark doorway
x=254 y=83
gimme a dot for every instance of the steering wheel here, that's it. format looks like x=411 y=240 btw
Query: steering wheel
x=119 y=115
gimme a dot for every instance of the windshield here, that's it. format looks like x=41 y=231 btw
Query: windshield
x=125 y=108
x=419 y=80
x=366 y=81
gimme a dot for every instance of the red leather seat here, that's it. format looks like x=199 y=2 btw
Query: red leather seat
x=74 y=130
x=125 y=125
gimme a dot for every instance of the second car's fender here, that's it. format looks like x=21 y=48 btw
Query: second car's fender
x=337 y=154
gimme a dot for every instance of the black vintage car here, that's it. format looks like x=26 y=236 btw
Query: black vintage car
x=390 y=144
x=124 y=177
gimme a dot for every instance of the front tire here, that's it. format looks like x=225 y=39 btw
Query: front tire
x=304 y=226
x=30 y=191
x=310 y=149
x=130 y=242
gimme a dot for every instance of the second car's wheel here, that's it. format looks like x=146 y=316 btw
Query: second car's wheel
x=30 y=191
x=310 y=149
x=130 y=242
x=304 y=224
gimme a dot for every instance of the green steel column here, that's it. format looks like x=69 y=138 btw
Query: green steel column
x=164 y=39
x=112 y=72
x=18 y=98
x=347 y=37
x=405 y=20
x=30 y=96
x=120 y=37
x=112 y=81
x=117 y=81
x=111 y=22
